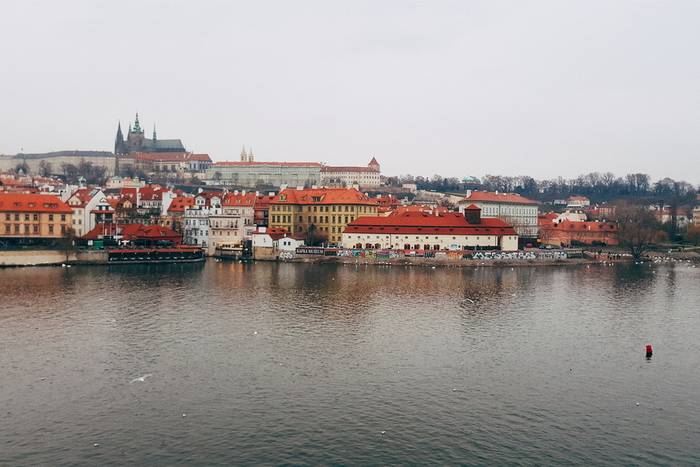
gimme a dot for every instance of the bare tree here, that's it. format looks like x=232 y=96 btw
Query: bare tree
x=637 y=228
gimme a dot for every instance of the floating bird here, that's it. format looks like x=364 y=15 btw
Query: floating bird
x=141 y=378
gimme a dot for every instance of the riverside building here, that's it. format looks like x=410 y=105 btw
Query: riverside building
x=321 y=213
x=426 y=230
x=511 y=208
x=33 y=218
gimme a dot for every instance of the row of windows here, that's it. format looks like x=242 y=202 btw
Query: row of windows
x=26 y=216
x=31 y=228
x=332 y=208
x=360 y=237
x=284 y=219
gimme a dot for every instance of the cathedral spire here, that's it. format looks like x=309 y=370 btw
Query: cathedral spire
x=250 y=154
x=119 y=140
x=244 y=156
x=154 y=132
x=137 y=125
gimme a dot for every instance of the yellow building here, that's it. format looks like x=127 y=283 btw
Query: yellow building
x=24 y=215
x=323 y=213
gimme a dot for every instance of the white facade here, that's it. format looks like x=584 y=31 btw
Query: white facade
x=288 y=244
x=195 y=226
x=230 y=225
x=83 y=221
x=350 y=176
x=429 y=242
x=523 y=217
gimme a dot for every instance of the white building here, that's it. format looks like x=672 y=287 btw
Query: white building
x=420 y=230
x=195 y=226
x=231 y=224
x=83 y=201
x=577 y=202
x=513 y=209
x=336 y=176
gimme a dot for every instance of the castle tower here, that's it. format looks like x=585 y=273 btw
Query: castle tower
x=373 y=164
x=135 y=136
x=119 y=140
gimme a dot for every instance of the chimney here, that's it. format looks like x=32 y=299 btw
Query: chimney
x=473 y=214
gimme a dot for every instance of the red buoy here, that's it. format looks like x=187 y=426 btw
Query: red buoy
x=650 y=351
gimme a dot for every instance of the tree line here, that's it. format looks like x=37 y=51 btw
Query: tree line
x=596 y=186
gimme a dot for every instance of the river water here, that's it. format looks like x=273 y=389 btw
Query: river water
x=341 y=364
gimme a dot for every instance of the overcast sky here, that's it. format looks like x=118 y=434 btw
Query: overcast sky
x=544 y=88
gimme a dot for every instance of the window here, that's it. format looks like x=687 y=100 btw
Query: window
x=63 y=217
x=7 y=216
x=16 y=228
x=7 y=228
x=16 y=216
x=26 y=228
x=50 y=217
x=26 y=217
x=35 y=217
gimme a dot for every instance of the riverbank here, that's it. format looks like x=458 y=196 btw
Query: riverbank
x=443 y=263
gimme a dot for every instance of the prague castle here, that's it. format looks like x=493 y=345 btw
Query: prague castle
x=136 y=141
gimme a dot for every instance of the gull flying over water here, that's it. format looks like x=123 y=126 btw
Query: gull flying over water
x=141 y=378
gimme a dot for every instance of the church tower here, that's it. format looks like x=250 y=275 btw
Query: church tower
x=250 y=155
x=135 y=136
x=119 y=140
x=374 y=165
x=244 y=156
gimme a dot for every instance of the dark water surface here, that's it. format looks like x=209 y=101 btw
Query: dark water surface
x=304 y=364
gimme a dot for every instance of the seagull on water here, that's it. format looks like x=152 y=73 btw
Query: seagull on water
x=141 y=378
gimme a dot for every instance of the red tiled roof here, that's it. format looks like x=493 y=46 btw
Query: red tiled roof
x=27 y=202
x=322 y=196
x=492 y=197
x=451 y=223
x=180 y=203
x=83 y=195
x=273 y=164
x=332 y=168
x=420 y=208
x=274 y=232
x=239 y=199
x=132 y=232
x=151 y=193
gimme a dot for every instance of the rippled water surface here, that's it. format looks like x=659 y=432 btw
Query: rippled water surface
x=336 y=364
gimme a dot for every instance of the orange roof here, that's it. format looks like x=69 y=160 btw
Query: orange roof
x=83 y=195
x=180 y=203
x=333 y=168
x=239 y=199
x=132 y=232
x=451 y=223
x=322 y=196
x=274 y=232
x=419 y=208
x=26 y=202
x=493 y=197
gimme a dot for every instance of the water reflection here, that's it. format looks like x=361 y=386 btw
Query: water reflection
x=295 y=363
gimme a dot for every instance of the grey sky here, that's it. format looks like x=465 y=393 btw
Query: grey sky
x=543 y=88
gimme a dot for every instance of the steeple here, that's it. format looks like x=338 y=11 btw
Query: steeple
x=154 y=132
x=119 y=140
x=250 y=154
x=137 y=125
x=244 y=156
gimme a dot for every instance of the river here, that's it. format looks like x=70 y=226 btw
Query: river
x=239 y=364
